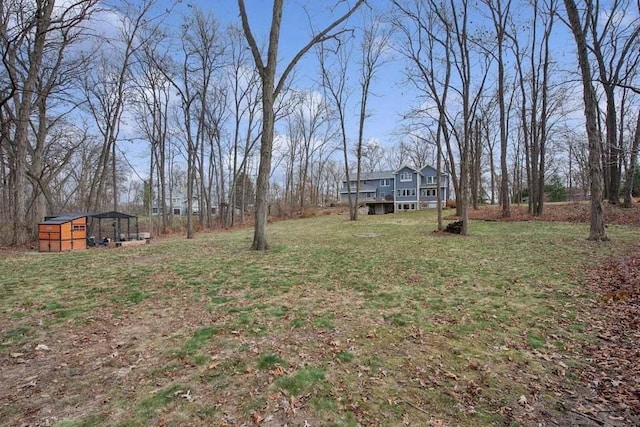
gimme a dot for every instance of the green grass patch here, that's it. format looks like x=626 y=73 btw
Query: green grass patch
x=345 y=356
x=136 y=296
x=200 y=338
x=91 y=421
x=302 y=381
x=535 y=341
x=270 y=361
x=324 y=321
x=14 y=336
x=148 y=407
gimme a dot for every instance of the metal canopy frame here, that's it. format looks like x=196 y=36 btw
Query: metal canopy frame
x=118 y=217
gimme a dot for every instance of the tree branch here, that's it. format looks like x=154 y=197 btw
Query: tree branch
x=319 y=38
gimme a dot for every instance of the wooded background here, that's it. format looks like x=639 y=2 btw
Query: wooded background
x=121 y=105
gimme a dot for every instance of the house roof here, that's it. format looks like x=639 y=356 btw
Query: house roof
x=376 y=175
x=370 y=176
x=407 y=167
x=423 y=168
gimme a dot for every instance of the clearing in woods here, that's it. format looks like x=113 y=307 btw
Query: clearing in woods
x=377 y=322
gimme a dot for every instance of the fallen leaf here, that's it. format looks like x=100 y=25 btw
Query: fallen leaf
x=257 y=418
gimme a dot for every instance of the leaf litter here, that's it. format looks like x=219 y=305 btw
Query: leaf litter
x=125 y=350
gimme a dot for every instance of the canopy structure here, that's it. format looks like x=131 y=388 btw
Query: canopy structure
x=117 y=218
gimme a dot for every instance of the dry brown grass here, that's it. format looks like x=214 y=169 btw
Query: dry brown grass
x=374 y=322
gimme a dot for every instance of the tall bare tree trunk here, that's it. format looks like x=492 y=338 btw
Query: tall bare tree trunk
x=500 y=16
x=597 y=231
x=631 y=169
x=270 y=92
x=20 y=233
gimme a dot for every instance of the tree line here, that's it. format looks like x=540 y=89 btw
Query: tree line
x=91 y=90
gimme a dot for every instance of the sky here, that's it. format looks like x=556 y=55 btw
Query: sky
x=387 y=101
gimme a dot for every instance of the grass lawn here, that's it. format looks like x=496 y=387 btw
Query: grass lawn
x=377 y=322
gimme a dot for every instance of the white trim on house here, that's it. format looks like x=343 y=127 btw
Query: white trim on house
x=418 y=190
x=406 y=177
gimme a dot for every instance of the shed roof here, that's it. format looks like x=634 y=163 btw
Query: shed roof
x=61 y=219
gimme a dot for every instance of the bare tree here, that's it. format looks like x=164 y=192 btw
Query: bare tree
x=375 y=37
x=34 y=39
x=152 y=99
x=500 y=15
x=597 y=230
x=469 y=92
x=270 y=92
x=336 y=88
x=309 y=121
x=428 y=46
x=107 y=91
x=614 y=43
x=202 y=44
x=245 y=91
x=631 y=168
x=537 y=101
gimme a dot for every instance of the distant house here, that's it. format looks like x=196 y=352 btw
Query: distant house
x=177 y=204
x=405 y=189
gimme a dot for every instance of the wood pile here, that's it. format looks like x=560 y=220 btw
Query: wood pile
x=454 y=227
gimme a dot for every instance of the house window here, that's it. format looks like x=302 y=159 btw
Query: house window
x=78 y=227
x=406 y=192
x=176 y=211
x=406 y=176
x=431 y=180
x=427 y=192
x=385 y=182
x=382 y=194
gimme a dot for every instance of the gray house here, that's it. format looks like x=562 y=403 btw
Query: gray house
x=177 y=204
x=402 y=190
